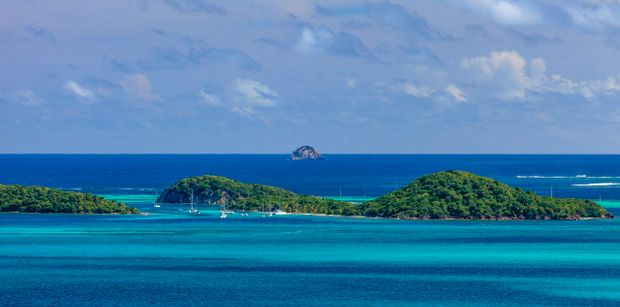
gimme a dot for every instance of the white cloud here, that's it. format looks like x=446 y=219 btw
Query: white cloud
x=323 y=40
x=587 y=89
x=209 y=99
x=611 y=84
x=24 y=97
x=455 y=92
x=255 y=94
x=595 y=15
x=416 y=91
x=312 y=40
x=506 y=12
x=81 y=92
x=139 y=86
x=245 y=97
x=443 y=97
x=568 y=87
x=510 y=73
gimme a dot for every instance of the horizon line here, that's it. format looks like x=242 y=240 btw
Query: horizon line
x=286 y=154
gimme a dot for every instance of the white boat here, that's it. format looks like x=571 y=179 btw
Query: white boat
x=265 y=213
x=223 y=214
x=192 y=210
x=225 y=209
x=280 y=212
x=156 y=205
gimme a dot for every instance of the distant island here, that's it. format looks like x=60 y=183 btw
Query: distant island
x=15 y=198
x=306 y=153
x=442 y=195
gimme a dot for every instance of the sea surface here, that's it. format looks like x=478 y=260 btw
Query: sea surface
x=170 y=258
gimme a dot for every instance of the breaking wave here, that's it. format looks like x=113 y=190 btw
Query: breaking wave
x=596 y=184
x=542 y=177
x=565 y=177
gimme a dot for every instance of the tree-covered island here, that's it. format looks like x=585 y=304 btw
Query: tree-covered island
x=250 y=196
x=463 y=195
x=443 y=195
x=15 y=198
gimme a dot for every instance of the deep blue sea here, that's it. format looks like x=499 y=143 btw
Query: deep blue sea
x=171 y=258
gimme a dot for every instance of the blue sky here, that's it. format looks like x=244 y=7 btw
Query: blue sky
x=198 y=76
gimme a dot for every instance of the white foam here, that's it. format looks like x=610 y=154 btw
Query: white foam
x=542 y=177
x=566 y=177
x=596 y=184
x=71 y=189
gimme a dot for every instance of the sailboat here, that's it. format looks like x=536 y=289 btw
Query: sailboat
x=228 y=211
x=223 y=211
x=280 y=212
x=192 y=210
x=268 y=213
x=156 y=205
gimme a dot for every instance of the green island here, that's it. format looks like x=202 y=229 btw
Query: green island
x=442 y=195
x=463 y=195
x=15 y=198
x=250 y=196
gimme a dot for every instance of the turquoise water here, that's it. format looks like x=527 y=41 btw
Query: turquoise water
x=169 y=257
x=609 y=204
x=149 y=198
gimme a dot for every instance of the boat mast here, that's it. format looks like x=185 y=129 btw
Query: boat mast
x=191 y=202
x=551 y=191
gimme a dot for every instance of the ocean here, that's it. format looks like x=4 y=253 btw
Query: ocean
x=171 y=258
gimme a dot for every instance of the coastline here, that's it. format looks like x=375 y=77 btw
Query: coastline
x=76 y=213
x=446 y=218
x=359 y=217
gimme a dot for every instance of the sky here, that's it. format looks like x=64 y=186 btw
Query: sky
x=199 y=76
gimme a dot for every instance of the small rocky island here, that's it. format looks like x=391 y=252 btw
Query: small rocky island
x=306 y=153
x=442 y=195
x=15 y=198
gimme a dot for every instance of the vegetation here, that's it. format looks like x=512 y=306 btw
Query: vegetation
x=15 y=198
x=443 y=195
x=462 y=195
x=242 y=196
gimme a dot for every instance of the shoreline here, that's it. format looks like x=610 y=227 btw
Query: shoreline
x=446 y=218
x=357 y=217
x=76 y=213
